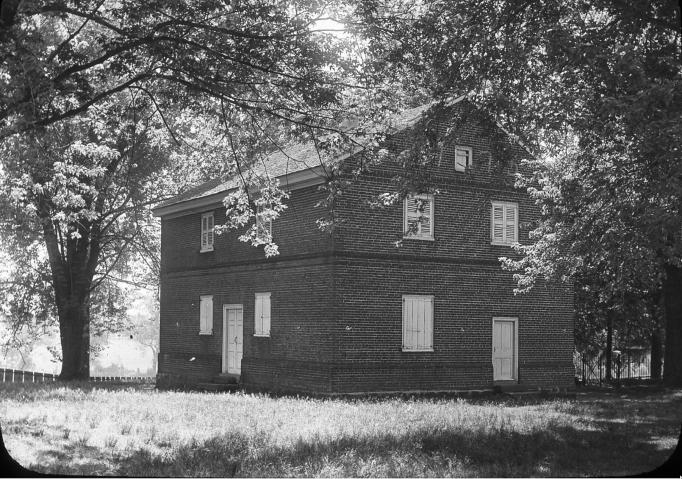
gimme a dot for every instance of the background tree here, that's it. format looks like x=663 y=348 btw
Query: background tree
x=598 y=82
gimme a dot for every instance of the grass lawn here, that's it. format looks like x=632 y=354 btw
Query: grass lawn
x=96 y=429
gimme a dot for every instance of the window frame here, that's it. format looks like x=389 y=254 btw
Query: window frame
x=470 y=157
x=504 y=205
x=208 y=331
x=420 y=236
x=261 y=333
x=205 y=247
x=431 y=301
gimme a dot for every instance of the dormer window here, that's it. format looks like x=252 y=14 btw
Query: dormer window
x=207 y=233
x=463 y=158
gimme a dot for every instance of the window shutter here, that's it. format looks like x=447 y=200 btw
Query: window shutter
x=498 y=224
x=202 y=316
x=209 y=233
x=259 y=315
x=417 y=323
x=425 y=227
x=204 y=239
x=206 y=315
x=266 y=315
x=510 y=224
x=209 y=314
x=262 y=314
x=462 y=158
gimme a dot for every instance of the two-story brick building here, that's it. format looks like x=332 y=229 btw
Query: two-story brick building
x=349 y=311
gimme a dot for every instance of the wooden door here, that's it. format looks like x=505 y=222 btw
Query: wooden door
x=504 y=349
x=233 y=338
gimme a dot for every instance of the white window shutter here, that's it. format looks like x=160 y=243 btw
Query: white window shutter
x=498 y=224
x=266 y=315
x=417 y=323
x=259 y=315
x=462 y=158
x=209 y=314
x=204 y=221
x=510 y=224
x=425 y=228
x=209 y=235
x=206 y=315
x=202 y=316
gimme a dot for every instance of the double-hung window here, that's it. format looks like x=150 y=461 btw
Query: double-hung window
x=206 y=315
x=262 y=315
x=417 y=323
x=463 y=158
x=418 y=217
x=504 y=224
x=207 y=233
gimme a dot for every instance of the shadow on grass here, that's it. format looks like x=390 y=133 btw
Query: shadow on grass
x=561 y=451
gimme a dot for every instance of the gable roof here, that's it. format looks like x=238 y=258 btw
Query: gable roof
x=295 y=166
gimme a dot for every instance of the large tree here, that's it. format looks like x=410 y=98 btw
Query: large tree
x=599 y=82
x=100 y=98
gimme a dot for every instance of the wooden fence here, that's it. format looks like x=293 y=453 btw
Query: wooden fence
x=20 y=376
x=624 y=368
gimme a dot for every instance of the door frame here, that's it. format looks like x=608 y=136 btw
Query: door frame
x=226 y=308
x=515 y=370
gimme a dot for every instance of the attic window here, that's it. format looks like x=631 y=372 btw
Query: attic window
x=207 y=233
x=463 y=158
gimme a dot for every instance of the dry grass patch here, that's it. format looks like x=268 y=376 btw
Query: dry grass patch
x=89 y=429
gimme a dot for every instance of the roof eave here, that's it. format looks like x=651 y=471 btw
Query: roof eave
x=292 y=181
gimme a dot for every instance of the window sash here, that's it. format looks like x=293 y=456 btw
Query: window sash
x=207 y=234
x=411 y=215
x=417 y=323
x=206 y=315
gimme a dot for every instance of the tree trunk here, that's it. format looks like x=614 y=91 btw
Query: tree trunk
x=672 y=300
x=656 y=337
x=609 y=344
x=74 y=331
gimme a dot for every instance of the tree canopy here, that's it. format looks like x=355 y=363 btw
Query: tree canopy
x=593 y=88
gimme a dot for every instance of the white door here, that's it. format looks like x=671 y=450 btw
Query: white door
x=233 y=338
x=504 y=349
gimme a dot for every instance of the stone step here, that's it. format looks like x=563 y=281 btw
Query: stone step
x=508 y=388
x=216 y=387
x=225 y=379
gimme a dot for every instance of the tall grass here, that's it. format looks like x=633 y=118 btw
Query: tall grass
x=129 y=431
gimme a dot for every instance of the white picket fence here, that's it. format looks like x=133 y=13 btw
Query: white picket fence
x=20 y=376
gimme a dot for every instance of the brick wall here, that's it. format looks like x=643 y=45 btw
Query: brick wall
x=336 y=317
x=301 y=324
x=295 y=232
x=466 y=298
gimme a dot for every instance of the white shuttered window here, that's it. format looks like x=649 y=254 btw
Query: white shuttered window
x=417 y=323
x=207 y=232
x=262 y=316
x=418 y=217
x=206 y=315
x=504 y=223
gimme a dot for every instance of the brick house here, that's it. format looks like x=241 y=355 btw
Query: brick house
x=349 y=311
